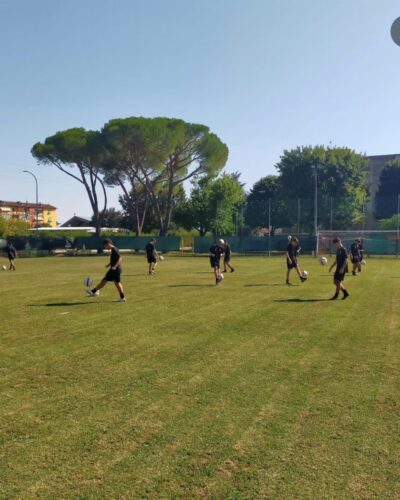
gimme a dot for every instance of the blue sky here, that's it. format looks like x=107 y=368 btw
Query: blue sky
x=265 y=75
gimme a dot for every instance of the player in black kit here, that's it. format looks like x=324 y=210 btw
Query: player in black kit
x=356 y=255
x=113 y=274
x=292 y=251
x=340 y=272
x=215 y=255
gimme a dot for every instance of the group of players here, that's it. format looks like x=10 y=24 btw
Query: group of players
x=341 y=263
x=219 y=249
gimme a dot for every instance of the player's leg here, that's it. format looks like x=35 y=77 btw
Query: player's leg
x=299 y=273
x=120 y=289
x=289 y=268
x=345 y=292
x=95 y=291
x=228 y=263
x=336 y=282
x=217 y=273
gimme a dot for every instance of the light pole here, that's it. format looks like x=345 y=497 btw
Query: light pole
x=315 y=173
x=37 y=200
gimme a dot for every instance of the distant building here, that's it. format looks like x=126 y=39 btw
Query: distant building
x=76 y=221
x=46 y=214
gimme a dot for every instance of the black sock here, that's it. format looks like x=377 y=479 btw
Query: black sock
x=121 y=295
x=94 y=290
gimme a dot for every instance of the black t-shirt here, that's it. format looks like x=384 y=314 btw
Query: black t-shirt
x=114 y=257
x=10 y=251
x=150 y=249
x=292 y=250
x=356 y=250
x=216 y=252
x=341 y=257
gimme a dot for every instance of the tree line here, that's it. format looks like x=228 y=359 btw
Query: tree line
x=150 y=160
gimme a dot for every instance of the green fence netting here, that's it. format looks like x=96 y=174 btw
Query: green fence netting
x=263 y=244
x=164 y=243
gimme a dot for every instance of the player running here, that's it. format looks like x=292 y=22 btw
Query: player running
x=113 y=274
x=292 y=252
x=227 y=257
x=341 y=266
x=11 y=252
x=151 y=255
x=215 y=255
x=356 y=255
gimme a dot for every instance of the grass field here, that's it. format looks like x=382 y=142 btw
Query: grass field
x=246 y=390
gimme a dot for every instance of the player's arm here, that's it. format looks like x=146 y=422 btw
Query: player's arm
x=288 y=257
x=332 y=266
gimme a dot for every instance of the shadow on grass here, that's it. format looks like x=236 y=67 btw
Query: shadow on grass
x=302 y=300
x=179 y=286
x=62 y=304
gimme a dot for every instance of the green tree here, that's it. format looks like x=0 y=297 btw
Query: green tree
x=391 y=223
x=13 y=227
x=386 y=198
x=341 y=174
x=265 y=203
x=110 y=218
x=213 y=205
x=160 y=154
x=78 y=153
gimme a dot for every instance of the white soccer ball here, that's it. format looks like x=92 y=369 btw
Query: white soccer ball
x=4 y=267
x=323 y=261
x=363 y=262
x=87 y=282
x=304 y=274
x=161 y=257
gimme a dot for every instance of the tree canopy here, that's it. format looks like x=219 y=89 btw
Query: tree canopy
x=386 y=198
x=160 y=154
x=213 y=205
x=77 y=152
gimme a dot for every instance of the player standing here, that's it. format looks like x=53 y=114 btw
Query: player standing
x=227 y=257
x=341 y=266
x=113 y=274
x=11 y=252
x=356 y=255
x=215 y=255
x=292 y=251
x=151 y=255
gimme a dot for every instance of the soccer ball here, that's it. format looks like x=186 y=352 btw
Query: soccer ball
x=323 y=261
x=87 y=282
x=161 y=258
x=4 y=267
x=304 y=274
x=363 y=262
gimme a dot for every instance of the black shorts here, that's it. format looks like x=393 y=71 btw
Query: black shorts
x=214 y=263
x=355 y=259
x=292 y=264
x=151 y=259
x=113 y=275
x=227 y=258
x=338 y=276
